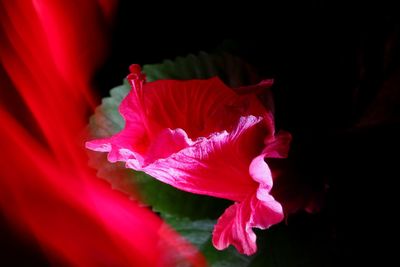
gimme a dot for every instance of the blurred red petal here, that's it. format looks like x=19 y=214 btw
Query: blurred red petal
x=49 y=50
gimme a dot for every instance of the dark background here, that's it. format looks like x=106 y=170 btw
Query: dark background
x=337 y=91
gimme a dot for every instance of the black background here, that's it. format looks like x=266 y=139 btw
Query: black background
x=331 y=69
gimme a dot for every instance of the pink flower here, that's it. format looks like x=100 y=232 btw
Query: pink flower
x=202 y=137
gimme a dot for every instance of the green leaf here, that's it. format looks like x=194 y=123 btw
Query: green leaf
x=198 y=232
x=169 y=201
x=232 y=70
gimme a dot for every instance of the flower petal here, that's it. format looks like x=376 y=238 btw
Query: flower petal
x=217 y=166
x=256 y=88
x=167 y=142
x=260 y=172
x=193 y=105
x=278 y=146
x=168 y=109
x=234 y=227
x=266 y=212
